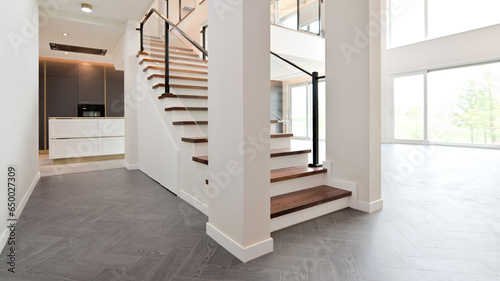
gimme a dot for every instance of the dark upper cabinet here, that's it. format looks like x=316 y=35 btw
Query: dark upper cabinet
x=61 y=97
x=114 y=93
x=90 y=84
x=61 y=69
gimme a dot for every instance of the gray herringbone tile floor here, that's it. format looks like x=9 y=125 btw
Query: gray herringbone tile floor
x=441 y=222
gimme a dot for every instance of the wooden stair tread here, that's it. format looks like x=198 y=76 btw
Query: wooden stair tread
x=288 y=152
x=201 y=159
x=188 y=71
x=177 y=123
x=275 y=136
x=303 y=199
x=171 y=52
x=159 y=85
x=175 y=69
x=163 y=61
x=295 y=172
x=175 y=63
x=178 y=77
x=194 y=139
x=205 y=139
x=160 y=43
x=172 y=62
x=274 y=153
x=179 y=108
x=163 y=96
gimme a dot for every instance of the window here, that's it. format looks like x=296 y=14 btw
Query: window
x=457 y=105
x=412 y=21
x=299 y=111
x=409 y=105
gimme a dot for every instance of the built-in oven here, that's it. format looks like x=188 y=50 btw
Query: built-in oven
x=91 y=110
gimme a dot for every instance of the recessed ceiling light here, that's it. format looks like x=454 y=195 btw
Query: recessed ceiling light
x=65 y=34
x=87 y=8
x=66 y=53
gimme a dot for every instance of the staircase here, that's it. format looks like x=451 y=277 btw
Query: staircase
x=298 y=192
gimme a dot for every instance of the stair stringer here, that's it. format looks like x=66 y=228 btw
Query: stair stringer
x=190 y=178
x=158 y=152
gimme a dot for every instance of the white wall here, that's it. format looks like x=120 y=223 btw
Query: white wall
x=353 y=99
x=467 y=47
x=194 y=22
x=19 y=96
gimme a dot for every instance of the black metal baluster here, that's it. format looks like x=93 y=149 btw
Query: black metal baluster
x=167 y=58
x=315 y=121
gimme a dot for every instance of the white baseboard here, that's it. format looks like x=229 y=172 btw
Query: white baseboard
x=4 y=237
x=308 y=214
x=352 y=187
x=130 y=167
x=22 y=204
x=244 y=254
x=202 y=207
x=19 y=209
x=370 y=207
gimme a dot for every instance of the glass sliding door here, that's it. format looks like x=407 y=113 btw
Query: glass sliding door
x=459 y=106
x=409 y=107
x=464 y=105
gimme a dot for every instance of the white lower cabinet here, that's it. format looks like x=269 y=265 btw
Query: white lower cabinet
x=81 y=137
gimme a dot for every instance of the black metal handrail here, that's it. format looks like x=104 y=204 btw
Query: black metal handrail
x=168 y=24
x=315 y=109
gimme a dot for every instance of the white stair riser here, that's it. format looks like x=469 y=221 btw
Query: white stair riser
x=289 y=161
x=200 y=148
x=183 y=91
x=181 y=115
x=174 y=102
x=186 y=82
x=177 y=73
x=191 y=60
x=185 y=74
x=191 y=66
x=284 y=187
x=194 y=130
x=309 y=213
x=278 y=143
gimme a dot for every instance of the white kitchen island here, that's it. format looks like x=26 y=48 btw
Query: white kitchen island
x=84 y=137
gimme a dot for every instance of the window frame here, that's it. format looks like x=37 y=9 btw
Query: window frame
x=425 y=72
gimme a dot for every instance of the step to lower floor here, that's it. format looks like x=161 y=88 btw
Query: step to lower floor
x=303 y=199
x=296 y=207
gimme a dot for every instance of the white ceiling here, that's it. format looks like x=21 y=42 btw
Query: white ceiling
x=100 y=29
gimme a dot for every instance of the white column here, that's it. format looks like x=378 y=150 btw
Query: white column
x=239 y=114
x=353 y=98
x=130 y=46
